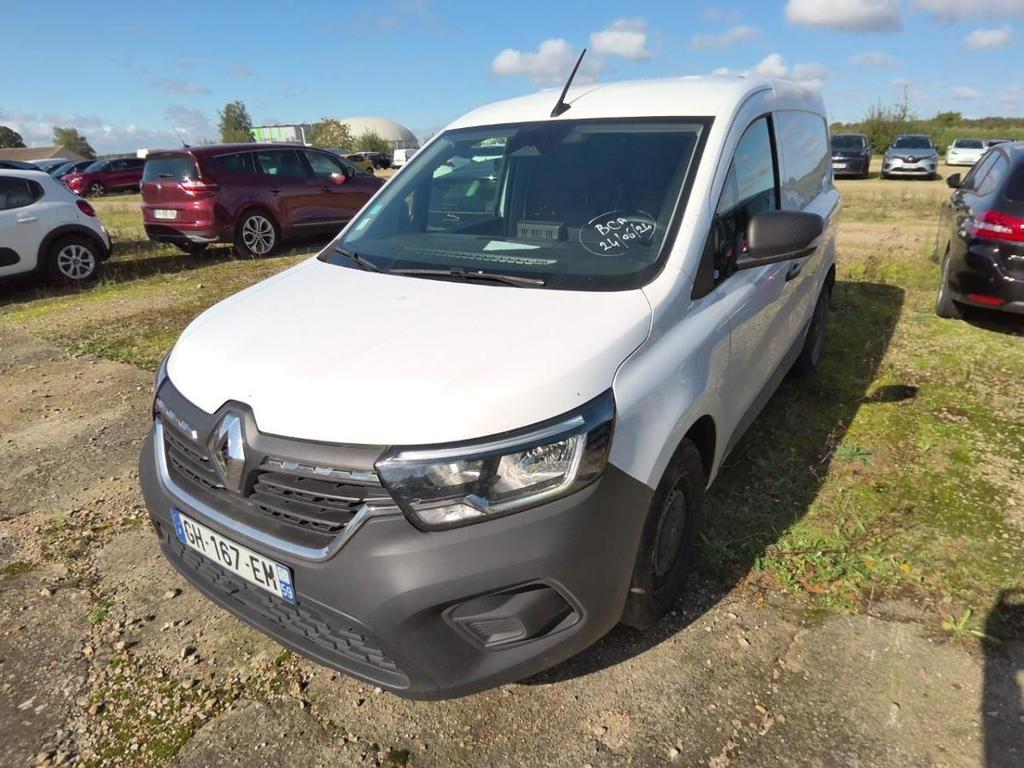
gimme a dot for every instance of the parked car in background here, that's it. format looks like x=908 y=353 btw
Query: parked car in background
x=851 y=154
x=48 y=230
x=17 y=165
x=379 y=159
x=456 y=448
x=361 y=160
x=965 y=151
x=72 y=166
x=911 y=155
x=252 y=195
x=49 y=163
x=994 y=142
x=118 y=175
x=401 y=156
x=983 y=264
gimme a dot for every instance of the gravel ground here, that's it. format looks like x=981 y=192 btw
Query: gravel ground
x=107 y=657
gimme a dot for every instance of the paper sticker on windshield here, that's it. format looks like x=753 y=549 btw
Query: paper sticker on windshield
x=615 y=232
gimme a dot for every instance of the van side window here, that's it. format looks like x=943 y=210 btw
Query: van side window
x=750 y=188
x=805 y=160
x=282 y=163
x=239 y=163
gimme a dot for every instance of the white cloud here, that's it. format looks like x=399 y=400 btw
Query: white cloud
x=953 y=10
x=184 y=87
x=727 y=39
x=191 y=122
x=105 y=137
x=553 y=60
x=963 y=93
x=989 y=38
x=847 y=15
x=626 y=38
x=810 y=74
x=551 y=63
x=240 y=70
x=771 y=65
x=714 y=13
x=879 y=59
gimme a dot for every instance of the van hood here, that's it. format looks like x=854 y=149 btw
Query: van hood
x=328 y=353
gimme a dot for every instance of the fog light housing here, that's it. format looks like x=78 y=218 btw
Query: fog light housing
x=514 y=616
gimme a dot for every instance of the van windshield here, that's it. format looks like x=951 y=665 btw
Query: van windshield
x=572 y=204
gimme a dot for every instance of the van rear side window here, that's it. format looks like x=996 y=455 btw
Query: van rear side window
x=170 y=168
x=805 y=163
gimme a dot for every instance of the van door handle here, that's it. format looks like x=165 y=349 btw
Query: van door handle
x=275 y=190
x=794 y=271
x=326 y=189
x=27 y=219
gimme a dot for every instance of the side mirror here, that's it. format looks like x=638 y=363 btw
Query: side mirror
x=953 y=181
x=339 y=178
x=776 y=236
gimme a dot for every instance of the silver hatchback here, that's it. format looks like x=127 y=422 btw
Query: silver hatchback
x=911 y=155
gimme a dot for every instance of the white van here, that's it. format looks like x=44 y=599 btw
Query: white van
x=475 y=432
x=402 y=156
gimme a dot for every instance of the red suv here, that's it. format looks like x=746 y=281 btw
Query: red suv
x=252 y=195
x=118 y=175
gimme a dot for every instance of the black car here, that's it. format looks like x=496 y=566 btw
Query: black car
x=17 y=165
x=984 y=260
x=851 y=155
x=379 y=159
x=72 y=166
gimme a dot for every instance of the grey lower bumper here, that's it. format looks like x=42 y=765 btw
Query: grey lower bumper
x=386 y=606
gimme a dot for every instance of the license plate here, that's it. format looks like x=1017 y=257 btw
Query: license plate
x=254 y=568
x=163 y=213
x=839 y=166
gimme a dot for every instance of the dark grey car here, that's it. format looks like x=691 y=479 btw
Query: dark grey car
x=911 y=155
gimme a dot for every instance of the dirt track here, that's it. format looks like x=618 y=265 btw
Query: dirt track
x=106 y=655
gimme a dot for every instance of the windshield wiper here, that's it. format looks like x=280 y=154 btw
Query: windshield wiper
x=360 y=260
x=459 y=273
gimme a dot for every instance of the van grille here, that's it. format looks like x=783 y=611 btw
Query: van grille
x=313 y=498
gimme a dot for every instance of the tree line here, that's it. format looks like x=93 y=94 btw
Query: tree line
x=883 y=123
x=235 y=126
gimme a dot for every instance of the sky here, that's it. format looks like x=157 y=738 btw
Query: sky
x=127 y=74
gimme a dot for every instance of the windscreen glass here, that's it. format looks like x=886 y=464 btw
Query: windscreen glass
x=581 y=205
x=848 y=142
x=912 y=142
x=169 y=168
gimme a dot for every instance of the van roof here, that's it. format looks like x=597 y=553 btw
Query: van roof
x=691 y=96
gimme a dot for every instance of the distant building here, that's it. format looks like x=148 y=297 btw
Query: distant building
x=301 y=133
x=28 y=154
x=397 y=135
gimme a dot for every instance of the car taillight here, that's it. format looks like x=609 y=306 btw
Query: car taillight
x=85 y=208
x=997 y=226
x=199 y=187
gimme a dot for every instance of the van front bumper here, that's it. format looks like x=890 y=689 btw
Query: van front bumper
x=423 y=614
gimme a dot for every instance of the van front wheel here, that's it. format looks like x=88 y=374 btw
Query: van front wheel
x=669 y=541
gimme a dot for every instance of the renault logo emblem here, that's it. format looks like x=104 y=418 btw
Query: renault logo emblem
x=227 y=449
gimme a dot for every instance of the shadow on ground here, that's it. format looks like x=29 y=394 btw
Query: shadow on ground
x=149 y=259
x=776 y=471
x=1002 y=706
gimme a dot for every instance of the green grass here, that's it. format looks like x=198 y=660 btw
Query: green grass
x=893 y=472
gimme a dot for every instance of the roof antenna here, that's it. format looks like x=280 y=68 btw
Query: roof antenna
x=183 y=144
x=561 y=106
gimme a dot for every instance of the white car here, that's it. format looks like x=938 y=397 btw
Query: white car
x=965 y=151
x=474 y=433
x=47 y=229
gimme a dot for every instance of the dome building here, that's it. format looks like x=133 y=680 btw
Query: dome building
x=397 y=135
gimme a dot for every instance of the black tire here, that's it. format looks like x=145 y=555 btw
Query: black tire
x=257 y=235
x=814 y=342
x=192 y=249
x=96 y=189
x=662 y=564
x=945 y=306
x=72 y=260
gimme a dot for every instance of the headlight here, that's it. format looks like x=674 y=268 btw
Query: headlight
x=455 y=485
